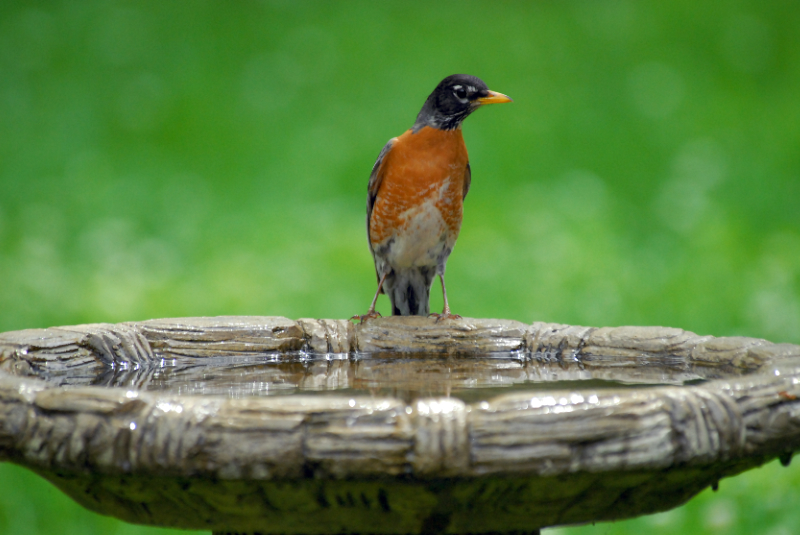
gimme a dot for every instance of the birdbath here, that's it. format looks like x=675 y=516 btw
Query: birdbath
x=397 y=425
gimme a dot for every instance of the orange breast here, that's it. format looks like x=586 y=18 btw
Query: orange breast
x=426 y=168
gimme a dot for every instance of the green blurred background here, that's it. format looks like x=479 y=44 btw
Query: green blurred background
x=202 y=158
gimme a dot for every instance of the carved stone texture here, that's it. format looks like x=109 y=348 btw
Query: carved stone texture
x=506 y=461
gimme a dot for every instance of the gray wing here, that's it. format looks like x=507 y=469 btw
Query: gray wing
x=376 y=177
x=467 y=181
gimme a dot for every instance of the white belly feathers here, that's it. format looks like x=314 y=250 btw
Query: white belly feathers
x=423 y=234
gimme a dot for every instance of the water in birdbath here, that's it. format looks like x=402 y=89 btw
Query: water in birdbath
x=404 y=376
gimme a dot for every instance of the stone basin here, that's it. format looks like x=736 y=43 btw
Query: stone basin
x=397 y=425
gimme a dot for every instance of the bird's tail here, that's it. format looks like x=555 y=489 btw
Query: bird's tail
x=409 y=291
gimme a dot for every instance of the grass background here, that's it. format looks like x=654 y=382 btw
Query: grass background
x=201 y=158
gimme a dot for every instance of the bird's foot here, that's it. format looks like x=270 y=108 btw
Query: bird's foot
x=371 y=315
x=444 y=316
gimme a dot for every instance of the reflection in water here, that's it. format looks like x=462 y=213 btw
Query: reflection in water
x=405 y=376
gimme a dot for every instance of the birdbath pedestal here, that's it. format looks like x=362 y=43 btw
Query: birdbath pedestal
x=397 y=425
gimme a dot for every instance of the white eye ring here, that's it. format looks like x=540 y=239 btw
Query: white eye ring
x=460 y=89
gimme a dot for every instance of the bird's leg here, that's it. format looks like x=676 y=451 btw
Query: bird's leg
x=375 y=299
x=372 y=313
x=445 y=315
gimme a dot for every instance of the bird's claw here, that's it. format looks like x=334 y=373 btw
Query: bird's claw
x=444 y=316
x=374 y=314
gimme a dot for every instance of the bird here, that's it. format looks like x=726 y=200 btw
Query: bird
x=415 y=198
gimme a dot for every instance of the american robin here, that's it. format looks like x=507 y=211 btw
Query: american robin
x=416 y=194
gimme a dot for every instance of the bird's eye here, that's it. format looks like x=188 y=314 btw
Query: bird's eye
x=460 y=92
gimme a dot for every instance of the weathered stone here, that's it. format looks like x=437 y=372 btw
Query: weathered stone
x=328 y=336
x=418 y=334
x=401 y=463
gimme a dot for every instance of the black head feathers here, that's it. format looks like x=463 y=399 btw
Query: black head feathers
x=454 y=99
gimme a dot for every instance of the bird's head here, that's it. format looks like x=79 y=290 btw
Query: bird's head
x=454 y=99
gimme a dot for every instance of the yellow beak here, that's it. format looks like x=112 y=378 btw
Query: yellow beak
x=495 y=98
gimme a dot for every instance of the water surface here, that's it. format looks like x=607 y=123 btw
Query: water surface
x=405 y=376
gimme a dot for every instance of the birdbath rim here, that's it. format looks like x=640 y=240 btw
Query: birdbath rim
x=625 y=451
